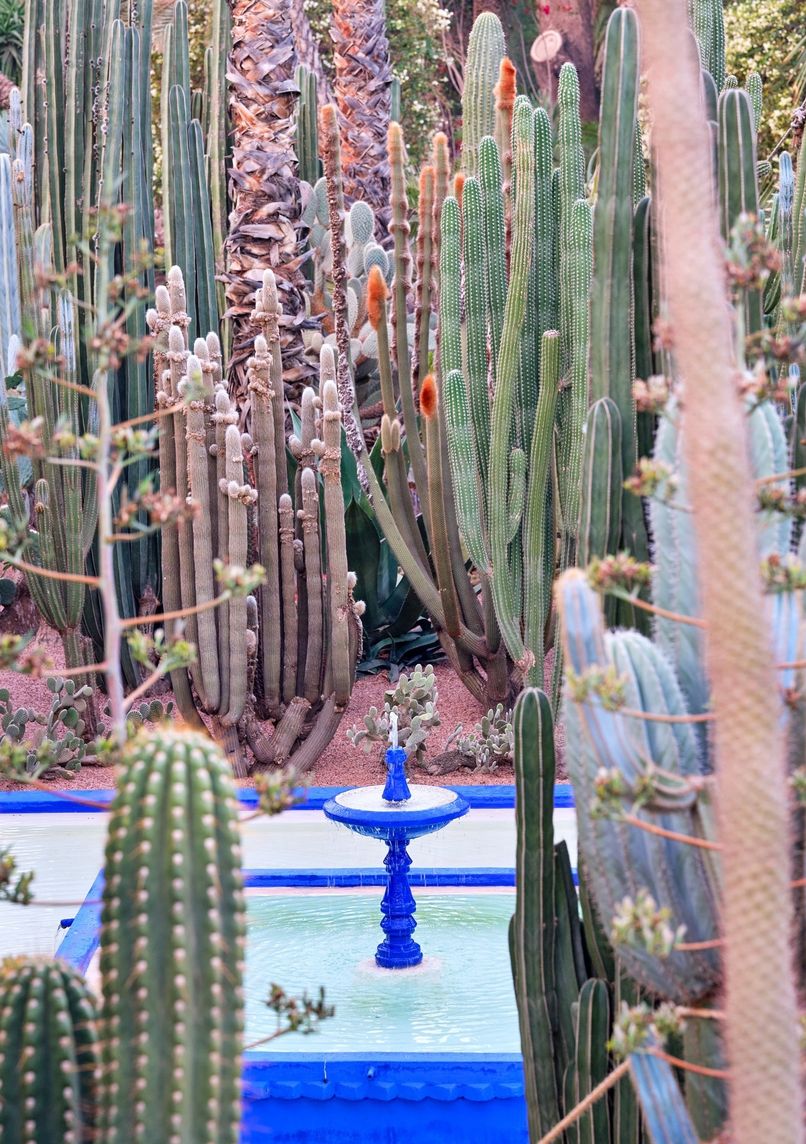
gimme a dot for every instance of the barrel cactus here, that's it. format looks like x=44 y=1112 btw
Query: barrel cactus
x=48 y=1054
x=172 y=946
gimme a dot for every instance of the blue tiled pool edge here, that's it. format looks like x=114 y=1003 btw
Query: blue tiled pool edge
x=388 y=1099
x=498 y=797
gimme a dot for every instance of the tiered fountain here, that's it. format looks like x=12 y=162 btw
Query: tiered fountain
x=396 y=814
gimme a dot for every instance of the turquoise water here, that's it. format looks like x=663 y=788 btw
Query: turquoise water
x=461 y=1000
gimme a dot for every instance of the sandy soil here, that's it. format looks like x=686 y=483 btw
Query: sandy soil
x=341 y=765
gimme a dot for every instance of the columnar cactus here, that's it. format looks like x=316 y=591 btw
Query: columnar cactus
x=172 y=946
x=661 y=744
x=306 y=642
x=611 y=311
x=564 y=1012
x=485 y=51
x=83 y=162
x=49 y=1054
x=738 y=180
x=495 y=450
x=187 y=215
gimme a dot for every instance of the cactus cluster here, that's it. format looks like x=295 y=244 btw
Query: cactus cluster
x=413 y=702
x=637 y=710
x=490 y=743
x=658 y=744
x=88 y=155
x=289 y=653
x=362 y=253
x=567 y=984
x=492 y=425
x=63 y=514
x=51 y=744
x=161 y=1059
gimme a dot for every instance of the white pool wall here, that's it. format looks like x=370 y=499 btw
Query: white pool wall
x=65 y=851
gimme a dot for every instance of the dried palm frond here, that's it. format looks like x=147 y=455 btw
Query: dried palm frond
x=363 y=98
x=265 y=222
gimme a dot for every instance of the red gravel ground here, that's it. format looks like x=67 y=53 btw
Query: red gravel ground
x=341 y=765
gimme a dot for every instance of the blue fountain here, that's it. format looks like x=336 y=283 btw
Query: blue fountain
x=395 y=814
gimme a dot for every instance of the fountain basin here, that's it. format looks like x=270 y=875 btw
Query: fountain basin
x=364 y=811
x=396 y=819
x=419 y=1057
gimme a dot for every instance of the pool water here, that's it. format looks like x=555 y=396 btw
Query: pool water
x=461 y=1000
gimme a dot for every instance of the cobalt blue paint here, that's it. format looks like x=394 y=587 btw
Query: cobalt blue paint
x=346 y=1098
x=396 y=824
x=396 y=789
x=391 y=1099
x=81 y=940
x=417 y=1098
x=498 y=797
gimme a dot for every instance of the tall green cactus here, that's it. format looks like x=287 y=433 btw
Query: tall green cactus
x=571 y=187
x=611 y=315
x=708 y=22
x=532 y=929
x=172 y=951
x=738 y=181
x=188 y=219
x=564 y=1012
x=307 y=134
x=88 y=160
x=505 y=450
x=485 y=51
x=49 y=1054
x=799 y=220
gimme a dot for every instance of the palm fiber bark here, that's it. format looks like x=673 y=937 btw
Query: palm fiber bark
x=363 y=96
x=265 y=223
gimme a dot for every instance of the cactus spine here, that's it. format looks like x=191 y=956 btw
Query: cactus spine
x=49 y=1054
x=172 y=953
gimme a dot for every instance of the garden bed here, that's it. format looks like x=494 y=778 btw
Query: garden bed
x=342 y=764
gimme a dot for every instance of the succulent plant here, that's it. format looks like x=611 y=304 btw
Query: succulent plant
x=489 y=743
x=414 y=701
x=290 y=654
x=491 y=428
x=45 y=744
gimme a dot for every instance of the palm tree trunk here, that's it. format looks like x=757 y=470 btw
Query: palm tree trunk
x=573 y=19
x=308 y=50
x=363 y=99
x=265 y=223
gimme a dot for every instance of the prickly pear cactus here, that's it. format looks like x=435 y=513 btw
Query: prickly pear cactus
x=172 y=945
x=48 y=1054
x=490 y=742
x=414 y=700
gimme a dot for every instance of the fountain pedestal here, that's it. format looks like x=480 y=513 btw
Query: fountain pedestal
x=395 y=814
x=398 y=950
